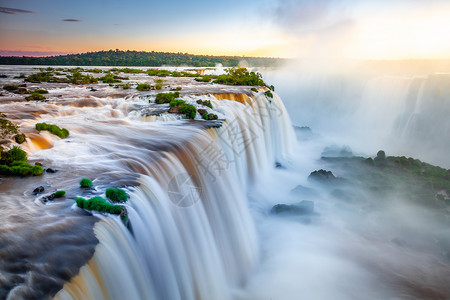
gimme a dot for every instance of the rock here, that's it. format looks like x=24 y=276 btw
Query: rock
x=38 y=164
x=93 y=90
x=174 y=110
x=305 y=207
x=38 y=190
x=19 y=138
x=51 y=197
x=322 y=176
x=278 y=165
x=202 y=111
x=50 y=170
x=303 y=191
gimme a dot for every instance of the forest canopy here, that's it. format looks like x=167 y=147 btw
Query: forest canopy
x=139 y=58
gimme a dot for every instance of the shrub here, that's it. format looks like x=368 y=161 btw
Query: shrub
x=166 y=97
x=240 y=76
x=381 y=155
x=15 y=154
x=189 y=110
x=43 y=77
x=272 y=88
x=176 y=102
x=59 y=194
x=99 y=204
x=35 y=96
x=85 y=182
x=21 y=168
x=109 y=78
x=178 y=88
x=20 y=76
x=207 y=116
x=143 y=87
x=60 y=132
x=3 y=76
x=254 y=89
x=158 y=86
x=19 y=138
x=116 y=194
x=10 y=88
x=7 y=127
x=80 y=202
x=206 y=103
x=41 y=91
x=126 y=86
x=268 y=94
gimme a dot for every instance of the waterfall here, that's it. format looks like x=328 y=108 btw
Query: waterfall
x=192 y=235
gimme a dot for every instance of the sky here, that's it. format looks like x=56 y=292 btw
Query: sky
x=350 y=29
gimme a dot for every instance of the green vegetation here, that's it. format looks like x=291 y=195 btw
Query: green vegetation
x=207 y=116
x=254 y=89
x=158 y=86
x=44 y=77
x=418 y=181
x=116 y=195
x=7 y=127
x=10 y=88
x=77 y=78
x=19 y=138
x=206 y=78
x=240 y=76
x=85 y=182
x=14 y=162
x=176 y=102
x=205 y=103
x=189 y=110
x=3 y=76
x=143 y=87
x=41 y=91
x=99 y=204
x=20 y=76
x=178 y=88
x=268 y=94
x=110 y=78
x=138 y=58
x=35 y=96
x=59 y=194
x=166 y=97
x=53 y=129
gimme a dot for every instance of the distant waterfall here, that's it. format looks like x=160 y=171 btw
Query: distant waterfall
x=192 y=233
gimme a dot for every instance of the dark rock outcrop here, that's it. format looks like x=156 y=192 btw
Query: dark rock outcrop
x=303 y=208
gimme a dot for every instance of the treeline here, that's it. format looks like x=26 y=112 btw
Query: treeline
x=139 y=58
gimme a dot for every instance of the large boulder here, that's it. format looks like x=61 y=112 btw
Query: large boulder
x=322 y=176
x=302 y=208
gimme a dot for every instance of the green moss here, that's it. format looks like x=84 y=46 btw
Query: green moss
x=176 y=102
x=59 y=194
x=207 y=116
x=85 y=182
x=158 y=86
x=3 y=76
x=21 y=169
x=35 y=96
x=15 y=154
x=99 y=204
x=109 y=78
x=41 y=91
x=7 y=127
x=166 y=97
x=126 y=86
x=20 y=76
x=53 y=129
x=189 y=110
x=206 y=103
x=116 y=194
x=268 y=94
x=254 y=89
x=178 y=88
x=143 y=87
x=20 y=138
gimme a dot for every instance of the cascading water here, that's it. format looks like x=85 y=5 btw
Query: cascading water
x=197 y=242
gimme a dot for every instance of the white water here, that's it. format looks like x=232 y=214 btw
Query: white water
x=205 y=250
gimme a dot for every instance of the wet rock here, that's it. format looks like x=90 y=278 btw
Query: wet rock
x=278 y=165
x=38 y=190
x=93 y=89
x=38 y=164
x=301 y=190
x=50 y=170
x=174 y=110
x=302 y=208
x=322 y=176
x=51 y=197
x=202 y=111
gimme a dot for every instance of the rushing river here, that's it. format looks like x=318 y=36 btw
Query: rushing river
x=200 y=196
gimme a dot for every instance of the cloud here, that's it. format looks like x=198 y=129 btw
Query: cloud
x=14 y=11
x=71 y=20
